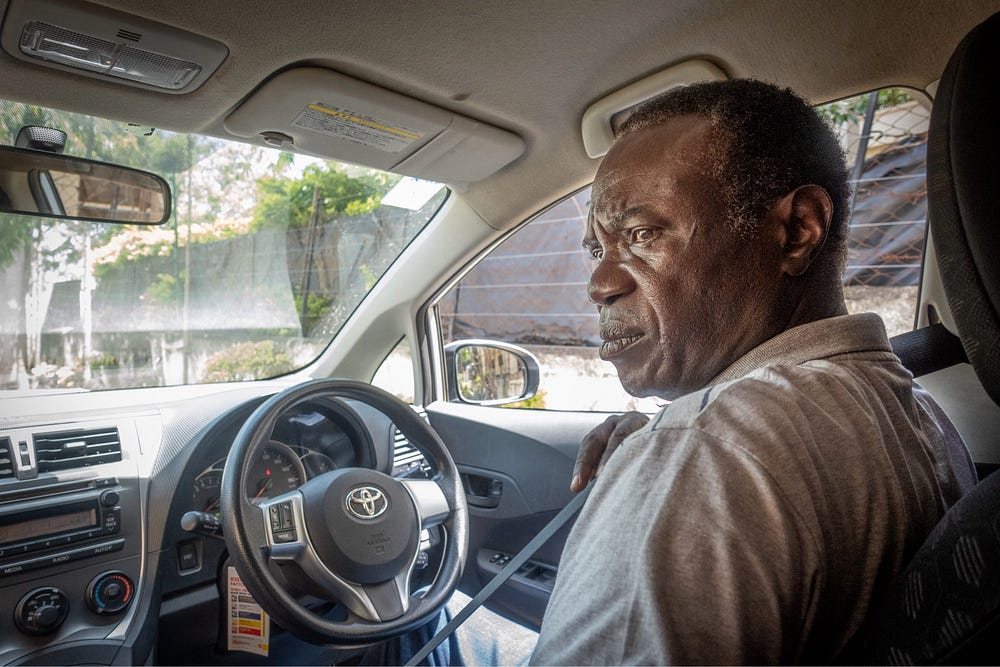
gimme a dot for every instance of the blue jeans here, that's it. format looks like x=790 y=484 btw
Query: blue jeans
x=485 y=638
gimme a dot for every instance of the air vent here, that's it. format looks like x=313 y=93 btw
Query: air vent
x=76 y=449
x=407 y=461
x=6 y=464
x=129 y=35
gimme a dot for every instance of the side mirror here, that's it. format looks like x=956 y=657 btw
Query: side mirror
x=62 y=186
x=486 y=372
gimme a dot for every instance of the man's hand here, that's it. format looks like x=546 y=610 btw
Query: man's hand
x=601 y=443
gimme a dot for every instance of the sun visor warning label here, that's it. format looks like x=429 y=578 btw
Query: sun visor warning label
x=249 y=626
x=356 y=127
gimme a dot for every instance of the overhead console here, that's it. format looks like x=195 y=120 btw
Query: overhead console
x=324 y=113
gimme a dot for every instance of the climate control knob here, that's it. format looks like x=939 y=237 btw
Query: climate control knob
x=110 y=593
x=41 y=611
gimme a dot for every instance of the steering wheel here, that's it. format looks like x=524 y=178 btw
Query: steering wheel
x=352 y=534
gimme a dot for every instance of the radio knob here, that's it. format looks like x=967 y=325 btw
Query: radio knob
x=110 y=593
x=41 y=611
x=109 y=498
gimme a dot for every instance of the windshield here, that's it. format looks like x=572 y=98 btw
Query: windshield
x=265 y=255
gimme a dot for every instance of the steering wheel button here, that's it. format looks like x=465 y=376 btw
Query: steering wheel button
x=286 y=516
x=274 y=516
x=284 y=536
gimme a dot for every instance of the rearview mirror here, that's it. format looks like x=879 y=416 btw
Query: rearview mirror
x=62 y=186
x=486 y=372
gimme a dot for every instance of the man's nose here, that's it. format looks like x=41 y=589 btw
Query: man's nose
x=609 y=282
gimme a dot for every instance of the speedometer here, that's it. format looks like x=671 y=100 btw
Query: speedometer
x=207 y=489
x=275 y=470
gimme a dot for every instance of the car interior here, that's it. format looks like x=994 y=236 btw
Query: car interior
x=186 y=521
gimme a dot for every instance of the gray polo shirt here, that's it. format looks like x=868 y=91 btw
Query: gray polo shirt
x=755 y=521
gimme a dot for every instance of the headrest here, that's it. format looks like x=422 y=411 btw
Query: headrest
x=963 y=181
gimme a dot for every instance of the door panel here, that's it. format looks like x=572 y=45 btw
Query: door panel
x=521 y=461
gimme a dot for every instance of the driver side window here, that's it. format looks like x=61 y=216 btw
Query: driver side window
x=532 y=291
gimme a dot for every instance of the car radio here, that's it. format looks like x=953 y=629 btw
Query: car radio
x=61 y=524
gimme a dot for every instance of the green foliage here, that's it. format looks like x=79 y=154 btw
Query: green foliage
x=369 y=275
x=287 y=202
x=104 y=360
x=536 y=402
x=853 y=109
x=15 y=231
x=317 y=306
x=247 y=361
x=165 y=290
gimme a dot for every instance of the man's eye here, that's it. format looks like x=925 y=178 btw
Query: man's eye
x=596 y=252
x=641 y=235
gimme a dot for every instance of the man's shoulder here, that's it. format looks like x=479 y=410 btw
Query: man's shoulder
x=780 y=397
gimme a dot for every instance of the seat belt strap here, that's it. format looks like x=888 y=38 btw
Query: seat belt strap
x=503 y=575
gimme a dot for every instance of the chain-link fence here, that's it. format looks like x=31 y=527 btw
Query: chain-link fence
x=885 y=140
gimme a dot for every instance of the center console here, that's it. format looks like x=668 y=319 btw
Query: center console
x=70 y=543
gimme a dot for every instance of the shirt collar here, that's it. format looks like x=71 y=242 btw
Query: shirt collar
x=821 y=339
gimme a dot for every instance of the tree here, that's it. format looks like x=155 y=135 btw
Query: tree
x=852 y=109
x=320 y=196
x=287 y=202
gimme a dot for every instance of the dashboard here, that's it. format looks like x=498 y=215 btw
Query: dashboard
x=99 y=560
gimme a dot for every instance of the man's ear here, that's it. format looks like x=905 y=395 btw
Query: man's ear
x=804 y=216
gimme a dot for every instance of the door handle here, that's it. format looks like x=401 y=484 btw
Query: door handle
x=482 y=491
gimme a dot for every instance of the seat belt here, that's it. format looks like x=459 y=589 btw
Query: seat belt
x=503 y=575
x=928 y=349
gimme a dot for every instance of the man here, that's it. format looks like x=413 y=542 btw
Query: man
x=758 y=517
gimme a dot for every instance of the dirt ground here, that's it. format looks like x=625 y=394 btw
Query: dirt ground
x=896 y=305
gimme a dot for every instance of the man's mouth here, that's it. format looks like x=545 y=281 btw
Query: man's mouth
x=615 y=345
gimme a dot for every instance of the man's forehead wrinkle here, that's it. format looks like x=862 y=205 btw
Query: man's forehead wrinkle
x=613 y=194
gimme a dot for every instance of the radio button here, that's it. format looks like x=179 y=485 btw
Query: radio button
x=109 y=498
x=64 y=557
x=103 y=548
x=112 y=521
x=14 y=568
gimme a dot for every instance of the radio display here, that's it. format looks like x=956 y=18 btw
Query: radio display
x=49 y=525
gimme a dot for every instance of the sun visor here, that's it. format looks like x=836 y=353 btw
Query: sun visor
x=606 y=115
x=321 y=112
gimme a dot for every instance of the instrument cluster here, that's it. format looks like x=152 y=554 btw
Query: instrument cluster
x=306 y=442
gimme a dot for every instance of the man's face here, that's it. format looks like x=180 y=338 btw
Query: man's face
x=681 y=296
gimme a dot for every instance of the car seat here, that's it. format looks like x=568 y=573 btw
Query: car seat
x=945 y=606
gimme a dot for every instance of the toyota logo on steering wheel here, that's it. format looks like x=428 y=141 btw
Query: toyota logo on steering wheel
x=367 y=502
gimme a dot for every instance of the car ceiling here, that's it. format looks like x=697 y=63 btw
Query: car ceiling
x=526 y=66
